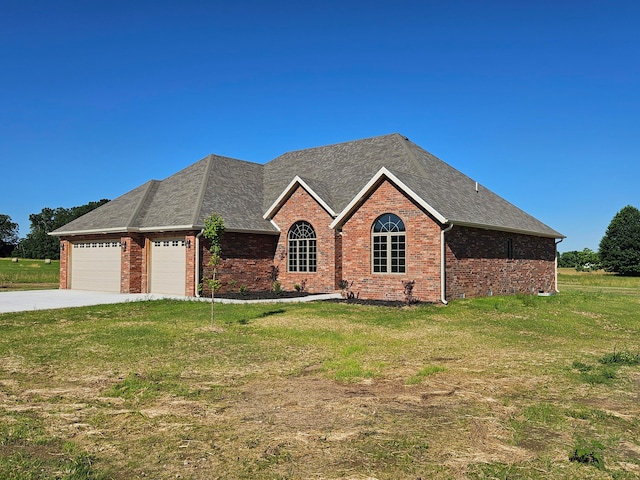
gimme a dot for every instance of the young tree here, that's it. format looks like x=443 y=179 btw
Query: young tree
x=8 y=235
x=620 y=246
x=213 y=230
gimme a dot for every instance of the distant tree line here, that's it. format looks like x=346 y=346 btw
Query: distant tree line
x=583 y=261
x=619 y=249
x=38 y=243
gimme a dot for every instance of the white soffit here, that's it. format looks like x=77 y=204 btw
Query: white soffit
x=370 y=186
x=288 y=191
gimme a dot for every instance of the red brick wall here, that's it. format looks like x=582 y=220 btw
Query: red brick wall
x=422 y=249
x=190 y=283
x=65 y=247
x=246 y=261
x=131 y=263
x=302 y=206
x=477 y=263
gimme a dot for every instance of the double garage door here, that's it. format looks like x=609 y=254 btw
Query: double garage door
x=97 y=266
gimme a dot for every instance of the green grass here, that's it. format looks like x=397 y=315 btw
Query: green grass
x=28 y=274
x=570 y=280
x=499 y=387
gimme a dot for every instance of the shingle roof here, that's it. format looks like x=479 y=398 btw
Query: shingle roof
x=241 y=192
x=229 y=187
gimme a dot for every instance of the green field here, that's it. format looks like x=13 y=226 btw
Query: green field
x=501 y=387
x=28 y=274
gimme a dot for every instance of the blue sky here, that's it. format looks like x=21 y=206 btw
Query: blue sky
x=537 y=100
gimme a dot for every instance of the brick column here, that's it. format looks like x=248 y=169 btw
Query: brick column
x=65 y=247
x=131 y=263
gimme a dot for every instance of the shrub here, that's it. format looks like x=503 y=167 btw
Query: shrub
x=621 y=358
x=589 y=453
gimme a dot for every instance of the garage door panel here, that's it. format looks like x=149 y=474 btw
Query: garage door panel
x=168 y=266
x=96 y=265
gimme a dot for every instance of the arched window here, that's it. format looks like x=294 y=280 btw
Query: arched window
x=388 y=245
x=302 y=248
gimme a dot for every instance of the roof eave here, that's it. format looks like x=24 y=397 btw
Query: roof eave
x=159 y=229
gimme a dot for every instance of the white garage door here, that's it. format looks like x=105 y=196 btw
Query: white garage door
x=168 y=266
x=96 y=265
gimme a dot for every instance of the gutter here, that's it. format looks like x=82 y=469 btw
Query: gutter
x=442 y=265
x=556 y=264
x=197 y=265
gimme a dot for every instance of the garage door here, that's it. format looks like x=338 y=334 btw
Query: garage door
x=168 y=266
x=96 y=265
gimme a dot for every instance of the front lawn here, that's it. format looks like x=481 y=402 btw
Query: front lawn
x=500 y=387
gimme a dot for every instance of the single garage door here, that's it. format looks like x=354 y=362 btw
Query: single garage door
x=168 y=266
x=96 y=265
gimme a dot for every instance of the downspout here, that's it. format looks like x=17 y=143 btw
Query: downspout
x=442 y=265
x=556 y=264
x=197 y=265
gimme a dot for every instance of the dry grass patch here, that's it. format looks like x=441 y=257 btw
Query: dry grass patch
x=485 y=388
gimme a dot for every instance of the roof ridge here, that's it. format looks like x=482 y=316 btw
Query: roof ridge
x=203 y=189
x=337 y=144
x=404 y=141
x=143 y=200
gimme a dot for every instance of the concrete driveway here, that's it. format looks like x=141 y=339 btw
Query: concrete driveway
x=26 y=300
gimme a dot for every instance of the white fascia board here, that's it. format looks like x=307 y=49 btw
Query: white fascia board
x=164 y=228
x=287 y=192
x=275 y=224
x=370 y=186
x=88 y=232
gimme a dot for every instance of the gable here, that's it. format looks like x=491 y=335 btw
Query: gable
x=284 y=197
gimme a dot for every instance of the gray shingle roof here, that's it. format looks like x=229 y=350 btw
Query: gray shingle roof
x=241 y=192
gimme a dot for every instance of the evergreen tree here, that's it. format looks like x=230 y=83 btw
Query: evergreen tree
x=620 y=246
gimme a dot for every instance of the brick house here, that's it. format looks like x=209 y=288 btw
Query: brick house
x=375 y=213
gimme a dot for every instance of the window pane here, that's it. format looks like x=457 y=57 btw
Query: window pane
x=312 y=255
x=302 y=255
x=293 y=256
x=302 y=248
x=388 y=223
x=380 y=254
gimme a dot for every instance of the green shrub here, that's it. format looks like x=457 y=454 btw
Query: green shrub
x=589 y=453
x=620 y=358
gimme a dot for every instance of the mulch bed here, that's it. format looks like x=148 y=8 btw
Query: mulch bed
x=261 y=295
x=276 y=296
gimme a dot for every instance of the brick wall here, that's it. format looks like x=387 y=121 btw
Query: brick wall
x=302 y=206
x=422 y=249
x=65 y=248
x=191 y=287
x=477 y=263
x=246 y=261
x=132 y=261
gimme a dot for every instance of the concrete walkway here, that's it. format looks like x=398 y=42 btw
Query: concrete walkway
x=26 y=300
